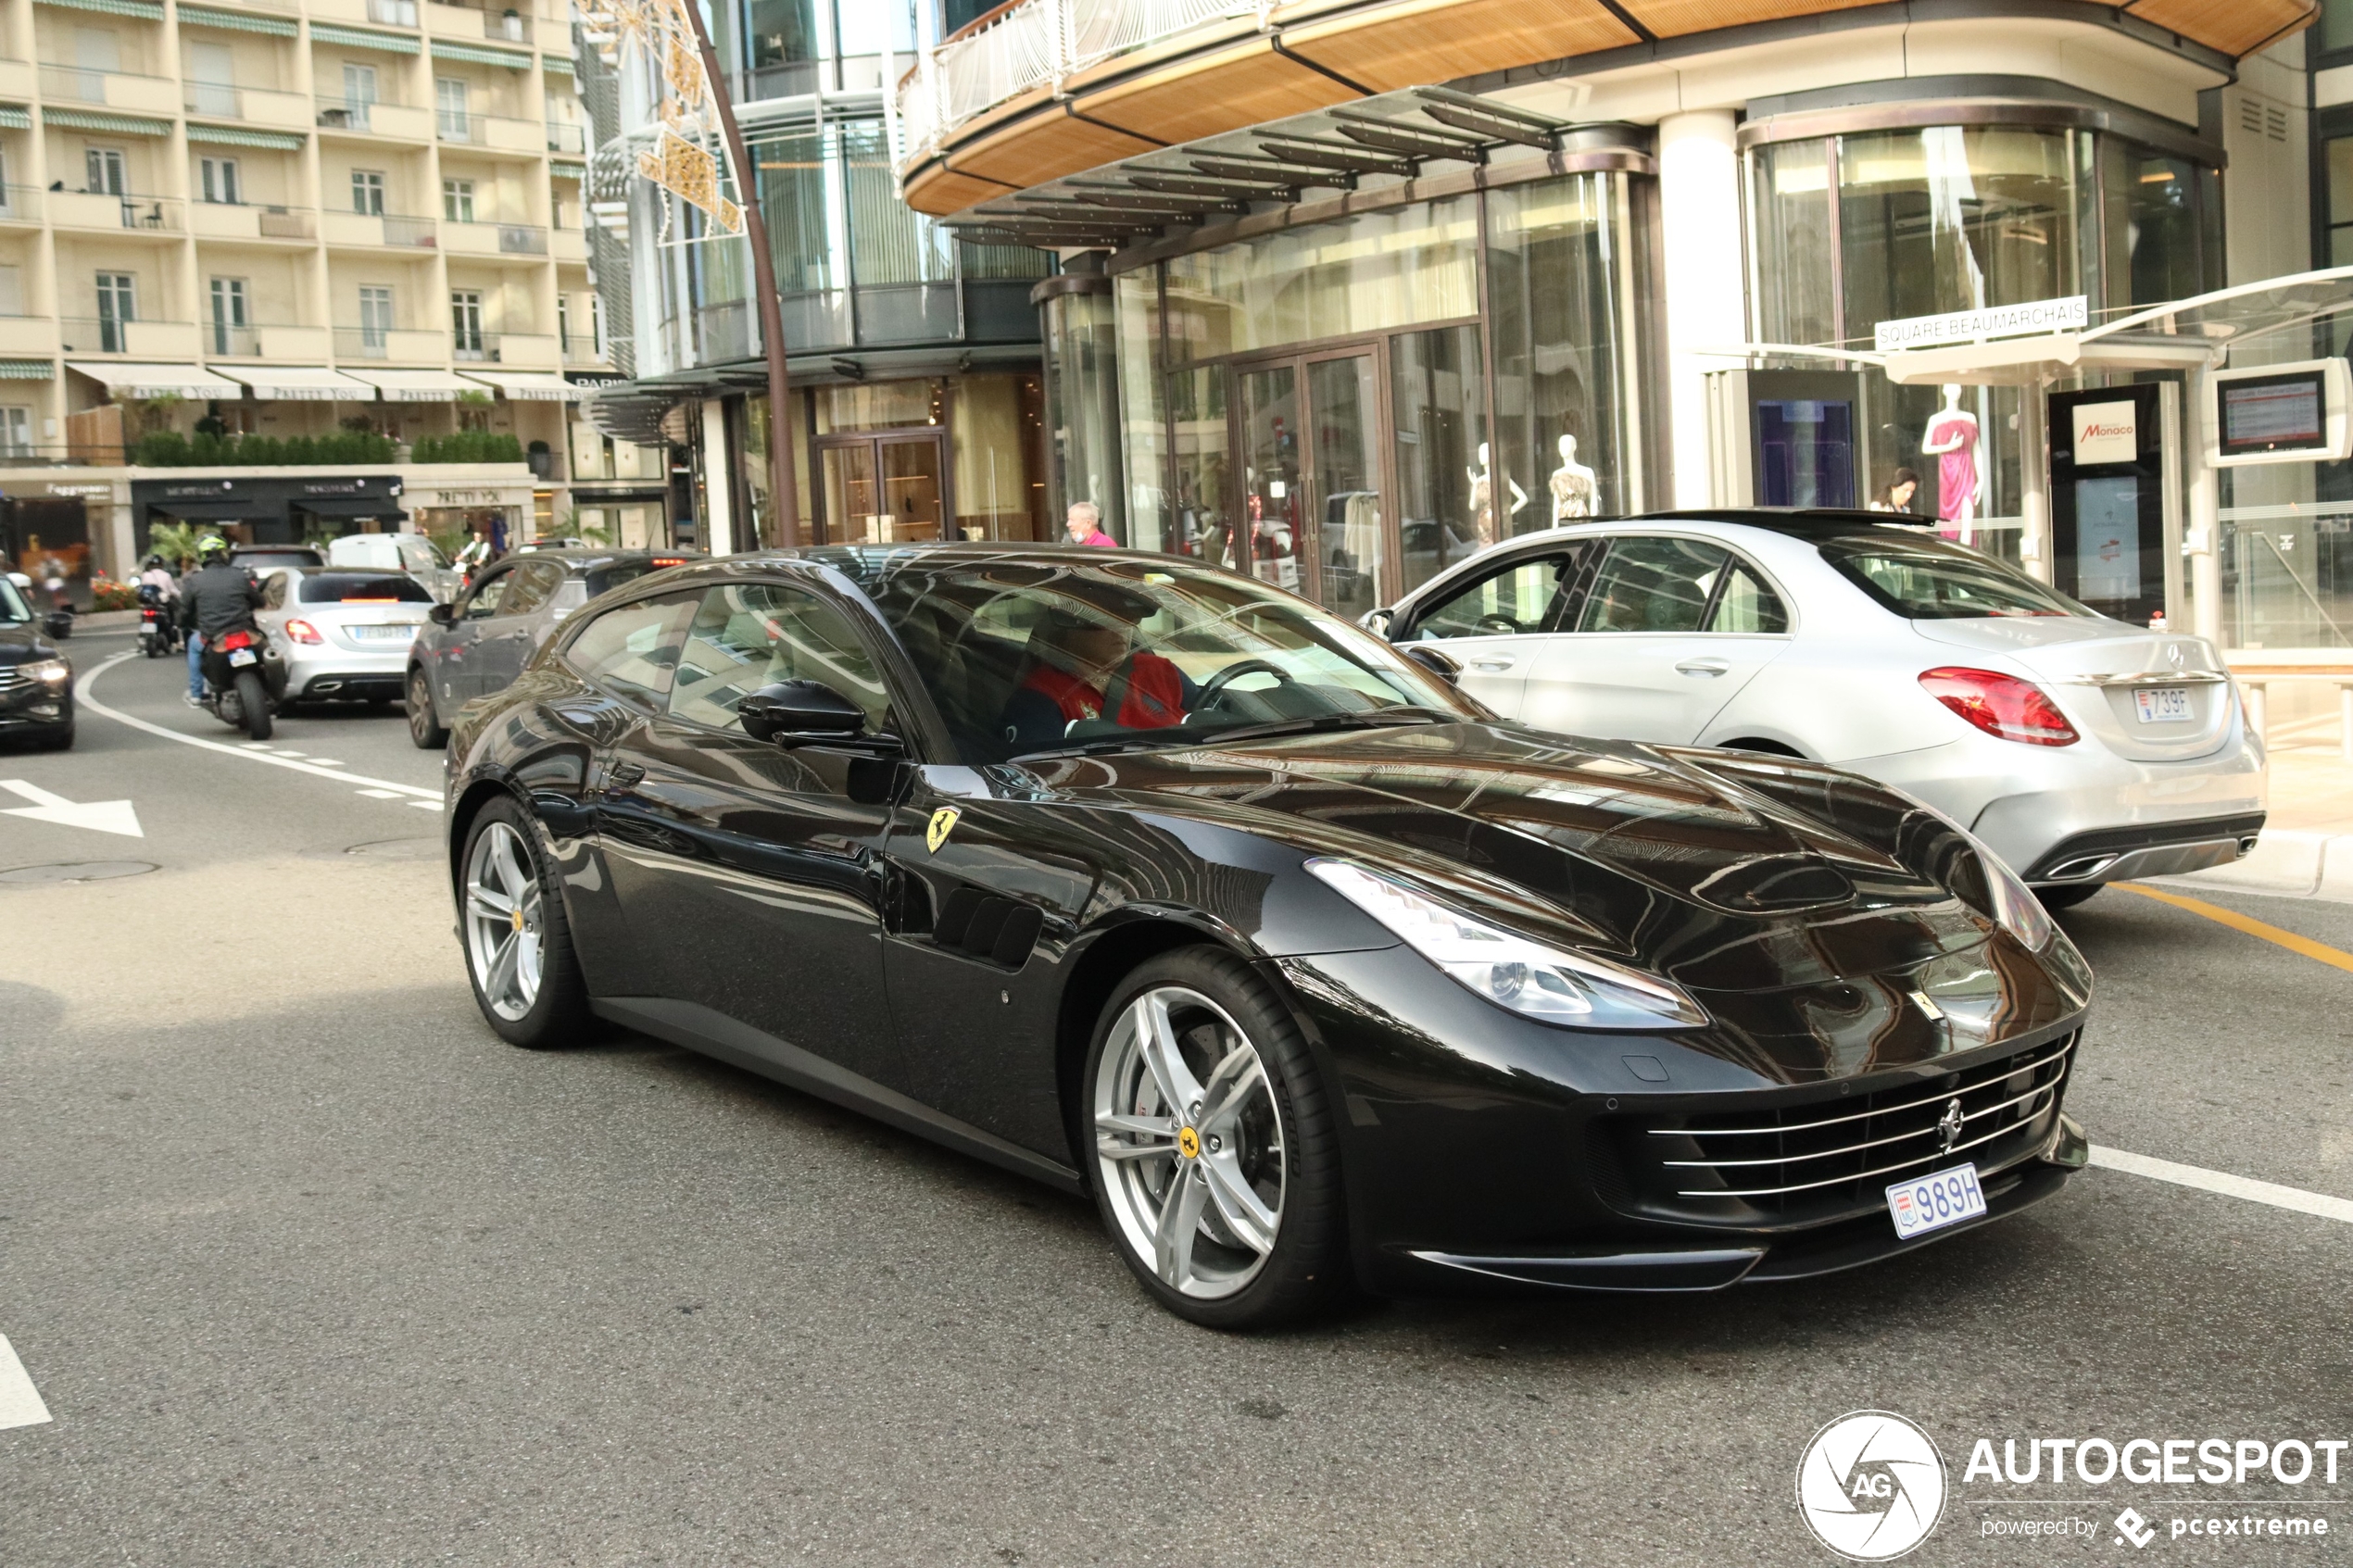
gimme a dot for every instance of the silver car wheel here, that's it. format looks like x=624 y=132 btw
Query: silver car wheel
x=1189 y=1143
x=504 y=925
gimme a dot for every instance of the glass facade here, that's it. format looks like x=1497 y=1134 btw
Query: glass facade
x=1347 y=407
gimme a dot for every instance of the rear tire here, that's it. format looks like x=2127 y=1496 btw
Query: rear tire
x=2067 y=897
x=424 y=725
x=253 y=699
x=525 y=975
x=1227 y=1204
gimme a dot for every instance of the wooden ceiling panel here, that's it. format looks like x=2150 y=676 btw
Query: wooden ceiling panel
x=939 y=192
x=1673 y=19
x=1227 y=91
x=2235 y=27
x=1044 y=147
x=1423 y=41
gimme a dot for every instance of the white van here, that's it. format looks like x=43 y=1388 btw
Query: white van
x=411 y=553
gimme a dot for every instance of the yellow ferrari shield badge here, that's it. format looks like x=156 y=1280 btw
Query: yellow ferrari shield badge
x=943 y=822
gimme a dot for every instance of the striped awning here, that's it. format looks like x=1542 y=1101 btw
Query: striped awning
x=360 y=38
x=27 y=370
x=561 y=168
x=158 y=381
x=230 y=136
x=529 y=386
x=112 y=124
x=558 y=62
x=241 y=22
x=293 y=383
x=147 y=10
x=15 y=118
x=474 y=54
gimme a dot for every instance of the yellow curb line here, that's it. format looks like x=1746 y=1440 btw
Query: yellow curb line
x=2318 y=951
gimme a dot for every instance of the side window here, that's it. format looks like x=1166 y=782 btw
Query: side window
x=632 y=649
x=484 y=599
x=528 y=586
x=752 y=634
x=1526 y=598
x=1745 y=604
x=1653 y=584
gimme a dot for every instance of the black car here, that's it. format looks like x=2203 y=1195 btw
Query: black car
x=1156 y=881
x=479 y=641
x=36 y=682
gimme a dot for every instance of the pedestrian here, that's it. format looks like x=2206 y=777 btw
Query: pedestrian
x=1086 y=525
x=1896 y=494
x=476 y=556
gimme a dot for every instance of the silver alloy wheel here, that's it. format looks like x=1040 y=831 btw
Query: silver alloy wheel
x=504 y=928
x=1188 y=1142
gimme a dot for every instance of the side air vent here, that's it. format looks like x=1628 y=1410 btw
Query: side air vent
x=1002 y=931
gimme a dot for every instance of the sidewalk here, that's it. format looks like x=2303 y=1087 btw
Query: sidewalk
x=2307 y=848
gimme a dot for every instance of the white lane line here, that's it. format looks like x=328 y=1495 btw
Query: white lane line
x=20 y=1400
x=426 y=804
x=321 y=761
x=378 y=794
x=81 y=694
x=2297 y=1199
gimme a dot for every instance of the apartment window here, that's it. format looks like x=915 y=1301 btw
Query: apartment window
x=229 y=320
x=212 y=76
x=375 y=321
x=597 y=324
x=118 y=308
x=465 y=322
x=358 y=94
x=458 y=200
x=103 y=173
x=449 y=108
x=563 y=323
x=15 y=431
x=11 y=290
x=221 y=180
x=367 y=192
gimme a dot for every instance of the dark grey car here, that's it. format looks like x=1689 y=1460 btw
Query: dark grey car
x=479 y=642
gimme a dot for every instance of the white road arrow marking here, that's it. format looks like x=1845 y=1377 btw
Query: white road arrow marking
x=20 y=1400
x=103 y=816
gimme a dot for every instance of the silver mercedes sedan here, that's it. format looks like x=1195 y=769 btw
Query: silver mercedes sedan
x=2084 y=750
x=345 y=631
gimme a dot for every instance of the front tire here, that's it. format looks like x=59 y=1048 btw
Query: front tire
x=1215 y=1154
x=253 y=703
x=519 y=953
x=424 y=726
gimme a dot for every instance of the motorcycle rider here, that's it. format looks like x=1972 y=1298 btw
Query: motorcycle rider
x=158 y=588
x=216 y=599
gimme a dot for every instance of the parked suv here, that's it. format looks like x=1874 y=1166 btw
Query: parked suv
x=479 y=642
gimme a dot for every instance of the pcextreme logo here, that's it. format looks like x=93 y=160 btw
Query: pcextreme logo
x=1871 y=1485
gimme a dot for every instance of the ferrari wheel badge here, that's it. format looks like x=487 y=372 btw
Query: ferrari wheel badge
x=1189 y=1143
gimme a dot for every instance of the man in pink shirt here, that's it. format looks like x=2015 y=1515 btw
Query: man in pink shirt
x=1086 y=525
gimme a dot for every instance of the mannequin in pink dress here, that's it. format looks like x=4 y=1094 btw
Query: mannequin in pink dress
x=1951 y=439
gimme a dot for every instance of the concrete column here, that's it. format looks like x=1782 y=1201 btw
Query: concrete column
x=1699 y=212
x=718 y=480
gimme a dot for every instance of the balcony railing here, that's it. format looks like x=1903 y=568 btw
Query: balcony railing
x=20 y=204
x=392 y=13
x=382 y=229
x=581 y=349
x=107 y=334
x=498 y=132
x=114 y=89
x=217 y=99
x=98 y=209
x=563 y=136
x=1038 y=44
x=491 y=237
x=255 y=221
x=226 y=341
x=340 y=112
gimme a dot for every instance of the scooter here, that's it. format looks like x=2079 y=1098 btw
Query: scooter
x=158 y=632
x=245 y=679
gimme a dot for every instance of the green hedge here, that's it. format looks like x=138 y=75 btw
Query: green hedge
x=170 y=449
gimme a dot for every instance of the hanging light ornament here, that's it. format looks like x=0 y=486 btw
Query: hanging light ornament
x=680 y=161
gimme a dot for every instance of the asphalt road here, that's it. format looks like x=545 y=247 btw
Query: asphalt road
x=309 y=1268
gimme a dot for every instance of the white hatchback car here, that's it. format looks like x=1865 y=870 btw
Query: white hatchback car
x=2084 y=750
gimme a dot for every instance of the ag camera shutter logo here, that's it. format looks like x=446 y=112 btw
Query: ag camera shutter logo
x=1871 y=1485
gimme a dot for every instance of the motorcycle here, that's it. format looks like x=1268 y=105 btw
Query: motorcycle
x=245 y=679
x=159 y=631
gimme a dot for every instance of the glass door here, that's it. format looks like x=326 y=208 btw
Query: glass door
x=911 y=487
x=853 y=510
x=1309 y=460
x=884 y=489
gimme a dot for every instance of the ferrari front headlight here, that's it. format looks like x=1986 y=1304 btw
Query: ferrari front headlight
x=1554 y=985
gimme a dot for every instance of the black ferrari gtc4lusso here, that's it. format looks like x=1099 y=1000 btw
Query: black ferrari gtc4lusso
x=1158 y=883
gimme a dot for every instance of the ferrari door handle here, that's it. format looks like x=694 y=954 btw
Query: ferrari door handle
x=1494 y=663
x=623 y=775
x=1705 y=668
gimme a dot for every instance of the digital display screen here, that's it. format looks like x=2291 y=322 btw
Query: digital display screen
x=2282 y=413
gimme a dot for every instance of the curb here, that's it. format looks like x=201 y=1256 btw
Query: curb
x=2286 y=863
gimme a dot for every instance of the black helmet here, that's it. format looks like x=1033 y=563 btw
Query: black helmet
x=150 y=563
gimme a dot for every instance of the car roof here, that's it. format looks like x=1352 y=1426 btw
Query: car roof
x=1798 y=523
x=587 y=559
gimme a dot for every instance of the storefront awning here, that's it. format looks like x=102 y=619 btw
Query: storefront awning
x=360 y=38
x=237 y=136
x=415 y=386
x=474 y=54
x=385 y=509
x=158 y=381
x=528 y=386
x=297 y=383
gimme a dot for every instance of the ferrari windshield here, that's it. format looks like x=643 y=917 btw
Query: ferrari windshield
x=1929 y=580
x=1024 y=655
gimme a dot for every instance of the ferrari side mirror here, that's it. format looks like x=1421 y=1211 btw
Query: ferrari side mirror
x=794 y=713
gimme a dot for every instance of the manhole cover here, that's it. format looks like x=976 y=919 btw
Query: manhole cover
x=77 y=871
x=400 y=849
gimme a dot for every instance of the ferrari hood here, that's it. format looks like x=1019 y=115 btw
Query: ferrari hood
x=1781 y=921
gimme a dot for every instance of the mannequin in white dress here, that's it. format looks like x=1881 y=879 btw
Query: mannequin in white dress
x=1482 y=505
x=1573 y=485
